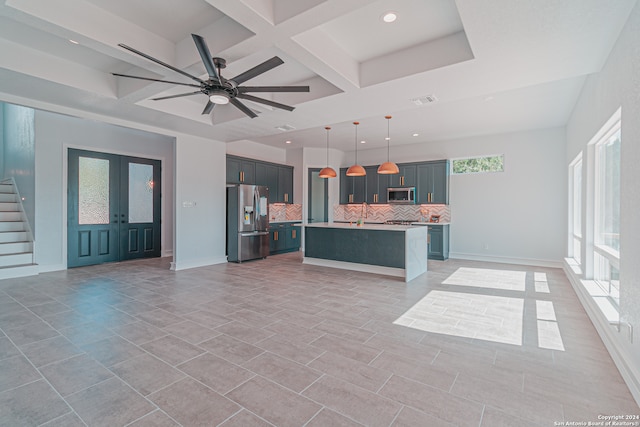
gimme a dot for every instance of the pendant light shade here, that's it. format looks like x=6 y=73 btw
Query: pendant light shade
x=388 y=167
x=356 y=169
x=327 y=172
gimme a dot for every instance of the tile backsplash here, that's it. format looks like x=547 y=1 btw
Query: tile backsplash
x=381 y=213
x=285 y=212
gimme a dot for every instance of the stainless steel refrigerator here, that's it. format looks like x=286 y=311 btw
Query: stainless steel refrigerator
x=247 y=222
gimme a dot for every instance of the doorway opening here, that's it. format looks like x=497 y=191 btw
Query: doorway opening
x=318 y=199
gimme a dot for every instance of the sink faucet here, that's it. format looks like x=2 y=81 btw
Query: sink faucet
x=365 y=210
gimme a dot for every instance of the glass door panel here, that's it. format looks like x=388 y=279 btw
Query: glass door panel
x=93 y=191
x=140 y=193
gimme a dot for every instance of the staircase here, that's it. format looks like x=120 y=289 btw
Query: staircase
x=16 y=239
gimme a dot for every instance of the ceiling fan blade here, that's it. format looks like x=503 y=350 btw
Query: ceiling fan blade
x=245 y=89
x=258 y=69
x=154 y=80
x=157 y=61
x=205 y=54
x=240 y=106
x=176 y=96
x=208 y=107
x=266 y=102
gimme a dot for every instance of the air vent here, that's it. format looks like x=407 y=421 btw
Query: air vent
x=285 y=128
x=427 y=99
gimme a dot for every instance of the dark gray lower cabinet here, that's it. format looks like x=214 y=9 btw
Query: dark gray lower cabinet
x=438 y=242
x=284 y=238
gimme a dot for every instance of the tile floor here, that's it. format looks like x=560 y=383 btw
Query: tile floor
x=277 y=343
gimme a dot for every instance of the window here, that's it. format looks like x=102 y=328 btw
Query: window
x=575 y=206
x=478 y=164
x=606 y=239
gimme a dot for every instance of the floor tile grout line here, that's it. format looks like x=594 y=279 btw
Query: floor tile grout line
x=42 y=377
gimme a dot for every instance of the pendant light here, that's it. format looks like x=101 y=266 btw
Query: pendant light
x=356 y=169
x=327 y=172
x=388 y=167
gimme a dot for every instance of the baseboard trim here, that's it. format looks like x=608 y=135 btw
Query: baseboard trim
x=363 y=268
x=607 y=332
x=507 y=260
x=51 y=267
x=203 y=262
x=167 y=253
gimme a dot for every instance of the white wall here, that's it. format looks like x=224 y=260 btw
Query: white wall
x=55 y=133
x=617 y=86
x=253 y=150
x=200 y=229
x=517 y=216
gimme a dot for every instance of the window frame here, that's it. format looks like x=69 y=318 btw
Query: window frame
x=477 y=157
x=575 y=235
x=604 y=258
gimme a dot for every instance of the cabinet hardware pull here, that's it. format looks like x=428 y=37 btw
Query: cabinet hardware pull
x=275 y=235
x=402 y=180
x=286 y=197
x=293 y=234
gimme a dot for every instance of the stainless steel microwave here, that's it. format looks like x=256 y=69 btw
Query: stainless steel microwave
x=401 y=195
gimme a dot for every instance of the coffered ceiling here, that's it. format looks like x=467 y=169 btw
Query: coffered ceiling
x=492 y=66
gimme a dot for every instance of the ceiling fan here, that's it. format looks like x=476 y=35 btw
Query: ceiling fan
x=217 y=88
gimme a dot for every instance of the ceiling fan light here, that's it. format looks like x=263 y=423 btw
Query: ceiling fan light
x=219 y=97
x=327 y=173
x=356 y=170
x=388 y=168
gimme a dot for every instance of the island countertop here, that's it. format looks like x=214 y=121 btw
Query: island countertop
x=365 y=226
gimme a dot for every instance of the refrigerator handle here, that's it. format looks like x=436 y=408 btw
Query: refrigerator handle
x=256 y=202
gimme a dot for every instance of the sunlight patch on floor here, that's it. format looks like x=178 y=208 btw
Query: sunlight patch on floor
x=488 y=278
x=486 y=317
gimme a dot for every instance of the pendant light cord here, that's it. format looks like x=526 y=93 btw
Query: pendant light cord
x=327 y=128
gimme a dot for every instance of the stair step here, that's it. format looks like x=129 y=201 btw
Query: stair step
x=7 y=188
x=8 y=197
x=13 y=236
x=9 y=206
x=15 y=247
x=15 y=259
x=12 y=226
x=10 y=216
x=21 y=270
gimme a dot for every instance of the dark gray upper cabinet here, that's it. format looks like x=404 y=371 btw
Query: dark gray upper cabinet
x=352 y=188
x=376 y=186
x=240 y=171
x=267 y=174
x=285 y=184
x=406 y=178
x=279 y=178
x=433 y=182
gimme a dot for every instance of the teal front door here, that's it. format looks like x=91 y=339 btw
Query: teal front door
x=113 y=208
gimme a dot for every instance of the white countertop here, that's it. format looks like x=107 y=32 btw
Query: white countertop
x=365 y=226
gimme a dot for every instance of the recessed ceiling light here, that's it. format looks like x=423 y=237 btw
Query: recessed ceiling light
x=73 y=41
x=287 y=142
x=389 y=17
x=489 y=98
x=363 y=142
x=416 y=134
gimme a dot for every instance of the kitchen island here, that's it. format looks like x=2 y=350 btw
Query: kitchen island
x=395 y=250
